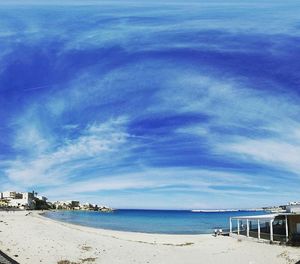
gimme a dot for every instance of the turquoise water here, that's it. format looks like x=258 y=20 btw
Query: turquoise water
x=151 y=221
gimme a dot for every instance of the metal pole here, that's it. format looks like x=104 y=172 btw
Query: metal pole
x=238 y=226
x=271 y=230
x=258 y=229
x=230 y=226
x=286 y=229
x=247 y=227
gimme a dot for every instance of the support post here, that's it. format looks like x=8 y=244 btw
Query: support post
x=238 y=226
x=230 y=226
x=271 y=230
x=247 y=227
x=258 y=229
x=286 y=229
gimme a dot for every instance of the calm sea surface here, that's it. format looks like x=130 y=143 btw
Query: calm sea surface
x=151 y=221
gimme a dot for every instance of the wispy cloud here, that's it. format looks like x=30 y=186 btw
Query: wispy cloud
x=97 y=144
x=274 y=153
x=243 y=121
x=184 y=102
x=155 y=182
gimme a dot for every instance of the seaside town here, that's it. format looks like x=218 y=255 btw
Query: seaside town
x=277 y=225
x=33 y=201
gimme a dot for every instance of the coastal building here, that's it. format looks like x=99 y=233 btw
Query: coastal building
x=75 y=205
x=31 y=201
x=61 y=205
x=42 y=198
x=86 y=206
x=11 y=195
x=21 y=200
x=293 y=208
x=67 y=205
x=294 y=203
x=280 y=227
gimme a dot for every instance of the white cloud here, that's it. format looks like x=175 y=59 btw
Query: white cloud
x=52 y=161
x=95 y=144
x=30 y=139
x=229 y=101
x=247 y=124
x=275 y=153
x=169 y=188
x=198 y=179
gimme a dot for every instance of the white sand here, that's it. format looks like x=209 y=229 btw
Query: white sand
x=36 y=239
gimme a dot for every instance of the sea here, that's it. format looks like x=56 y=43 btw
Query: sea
x=151 y=221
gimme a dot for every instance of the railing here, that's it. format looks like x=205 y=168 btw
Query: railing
x=263 y=235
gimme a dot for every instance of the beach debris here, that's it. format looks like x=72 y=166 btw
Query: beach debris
x=86 y=248
x=285 y=255
x=85 y=260
x=88 y=260
x=66 y=262
x=179 y=245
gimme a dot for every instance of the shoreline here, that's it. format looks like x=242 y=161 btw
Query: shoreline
x=114 y=230
x=119 y=234
x=187 y=223
x=37 y=239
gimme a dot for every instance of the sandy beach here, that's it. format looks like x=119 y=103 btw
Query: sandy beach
x=37 y=239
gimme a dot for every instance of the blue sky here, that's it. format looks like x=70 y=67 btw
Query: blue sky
x=181 y=104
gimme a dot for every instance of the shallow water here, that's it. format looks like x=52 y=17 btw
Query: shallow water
x=151 y=221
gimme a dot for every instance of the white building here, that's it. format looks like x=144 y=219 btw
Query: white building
x=42 y=198
x=11 y=195
x=293 y=208
x=20 y=200
x=25 y=201
x=66 y=205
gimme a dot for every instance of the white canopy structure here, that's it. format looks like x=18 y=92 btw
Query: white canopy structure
x=259 y=219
